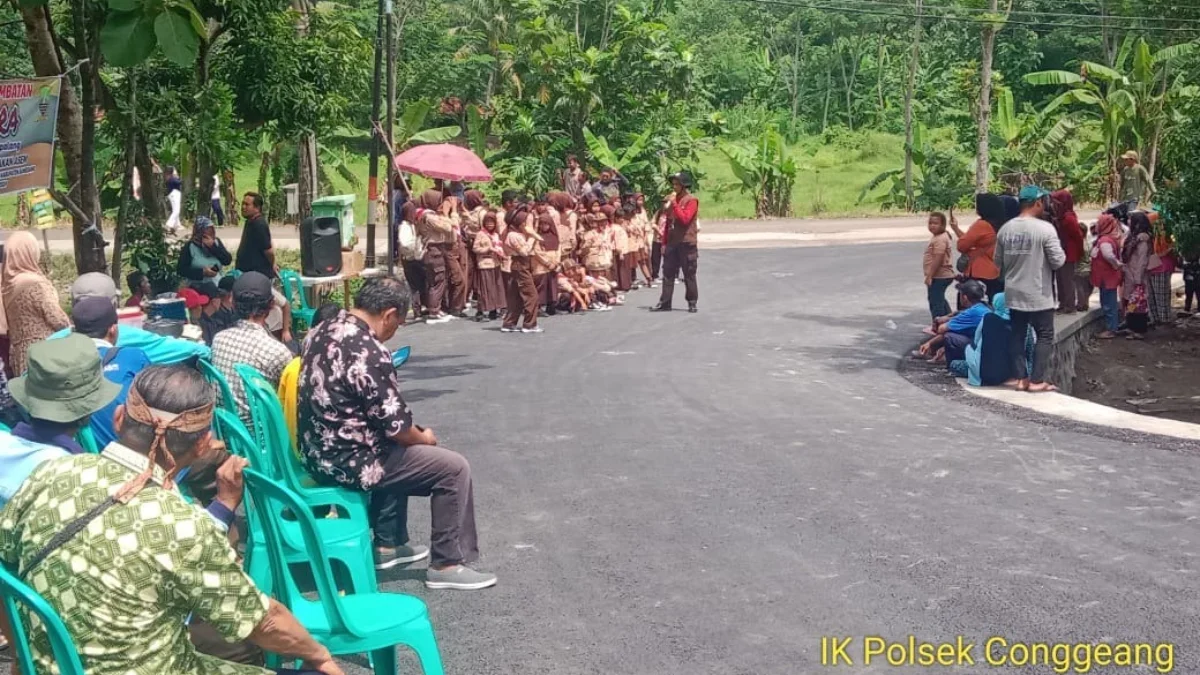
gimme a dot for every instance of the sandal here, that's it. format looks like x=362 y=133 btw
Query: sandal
x=1041 y=388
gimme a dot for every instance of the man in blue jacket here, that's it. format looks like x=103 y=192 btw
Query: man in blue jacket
x=96 y=318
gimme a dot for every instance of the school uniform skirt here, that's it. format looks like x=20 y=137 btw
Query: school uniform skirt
x=489 y=285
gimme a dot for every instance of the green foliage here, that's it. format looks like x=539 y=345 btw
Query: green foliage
x=133 y=29
x=147 y=250
x=766 y=171
x=941 y=178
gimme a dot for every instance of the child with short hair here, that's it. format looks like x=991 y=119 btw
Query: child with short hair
x=939 y=270
x=139 y=289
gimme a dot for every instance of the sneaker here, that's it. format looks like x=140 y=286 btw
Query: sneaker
x=535 y=329
x=441 y=318
x=458 y=578
x=386 y=559
x=506 y=329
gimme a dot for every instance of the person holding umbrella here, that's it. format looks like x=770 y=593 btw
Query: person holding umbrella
x=680 y=250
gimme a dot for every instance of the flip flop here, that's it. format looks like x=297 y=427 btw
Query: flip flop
x=1042 y=388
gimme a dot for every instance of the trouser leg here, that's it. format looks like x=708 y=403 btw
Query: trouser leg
x=670 y=269
x=529 y=297
x=1043 y=329
x=1016 y=344
x=655 y=259
x=1065 y=282
x=435 y=277
x=445 y=477
x=456 y=277
x=691 y=263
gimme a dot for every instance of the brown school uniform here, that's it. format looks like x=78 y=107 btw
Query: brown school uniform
x=489 y=284
x=439 y=234
x=622 y=269
x=596 y=253
x=522 y=292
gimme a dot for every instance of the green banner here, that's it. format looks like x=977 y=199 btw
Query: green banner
x=28 y=114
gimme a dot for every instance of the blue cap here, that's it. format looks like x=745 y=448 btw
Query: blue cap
x=1031 y=193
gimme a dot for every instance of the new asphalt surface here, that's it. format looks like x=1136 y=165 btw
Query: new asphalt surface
x=714 y=493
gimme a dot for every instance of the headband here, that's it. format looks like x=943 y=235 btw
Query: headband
x=188 y=421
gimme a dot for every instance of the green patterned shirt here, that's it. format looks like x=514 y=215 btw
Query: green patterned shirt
x=126 y=584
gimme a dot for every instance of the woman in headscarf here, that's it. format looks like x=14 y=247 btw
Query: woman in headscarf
x=1158 y=276
x=1070 y=235
x=978 y=243
x=1106 y=271
x=489 y=254
x=205 y=256
x=30 y=301
x=546 y=258
x=519 y=242
x=568 y=223
x=437 y=223
x=1135 y=256
x=474 y=208
x=412 y=258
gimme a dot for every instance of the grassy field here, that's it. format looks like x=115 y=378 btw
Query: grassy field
x=829 y=184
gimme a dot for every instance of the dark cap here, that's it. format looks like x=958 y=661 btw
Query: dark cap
x=206 y=288
x=226 y=285
x=684 y=177
x=973 y=289
x=252 y=285
x=93 y=315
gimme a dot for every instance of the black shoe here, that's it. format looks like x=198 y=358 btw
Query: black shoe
x=661 y=307
x=692 y=308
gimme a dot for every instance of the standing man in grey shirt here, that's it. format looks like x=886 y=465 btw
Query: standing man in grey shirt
x=1028 y=252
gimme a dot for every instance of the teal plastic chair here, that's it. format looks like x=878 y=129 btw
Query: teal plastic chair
x=224 y=391
x=400 y=356
x=66 y=656
x=293 y=290
x=357 y=623
x=348 y=536
x=87 y=439
x=271 y=432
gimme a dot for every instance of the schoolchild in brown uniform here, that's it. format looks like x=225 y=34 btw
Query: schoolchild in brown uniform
x=519 y=242
x=489 y=254
x=546 y=261
x=563 y=207
x=474 y=207
x=594 y=246
x=644 y=231
x=622 y=273
x=437 y=223
x=680 y=253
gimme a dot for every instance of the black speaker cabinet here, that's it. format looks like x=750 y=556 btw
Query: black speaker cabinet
x=320 y=247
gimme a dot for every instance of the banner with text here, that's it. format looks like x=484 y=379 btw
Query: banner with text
x=28 y=114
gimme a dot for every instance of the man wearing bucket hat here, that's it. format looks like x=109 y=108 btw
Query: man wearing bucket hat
x=1136 y=184
x=1028 y=252
x=680 y=252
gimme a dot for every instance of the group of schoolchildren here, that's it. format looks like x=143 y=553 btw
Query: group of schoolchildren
x=557 y=253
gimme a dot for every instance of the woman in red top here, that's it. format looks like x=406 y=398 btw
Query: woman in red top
x=978 y=243
x=1106 y=271
x=1070 y=235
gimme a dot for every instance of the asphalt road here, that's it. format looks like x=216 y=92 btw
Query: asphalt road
x=713 y=493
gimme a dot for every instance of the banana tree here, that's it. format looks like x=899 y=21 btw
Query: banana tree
x=1131 y=102
x=766 y=171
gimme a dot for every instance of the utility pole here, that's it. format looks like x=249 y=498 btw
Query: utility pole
x=985 y=97
x=373 y=165
x=391 y=125
x=913 y=64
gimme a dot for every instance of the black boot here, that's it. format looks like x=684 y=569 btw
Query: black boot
x=661 y=307
x=692 y=308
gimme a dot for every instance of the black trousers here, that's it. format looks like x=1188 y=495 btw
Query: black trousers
x=414 y=273
x=678 y=257
x=445 y=477
x=1191 y=289
x=655 y=259
x=1043 y=329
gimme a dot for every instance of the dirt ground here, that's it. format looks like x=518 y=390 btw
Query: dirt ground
x=1159 y=376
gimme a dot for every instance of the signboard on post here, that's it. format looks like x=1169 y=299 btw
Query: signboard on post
x=28 y=115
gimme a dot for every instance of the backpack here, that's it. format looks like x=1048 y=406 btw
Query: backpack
x=411 y=246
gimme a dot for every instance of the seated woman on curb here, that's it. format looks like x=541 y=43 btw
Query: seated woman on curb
x=954 y=332
x=987 y=362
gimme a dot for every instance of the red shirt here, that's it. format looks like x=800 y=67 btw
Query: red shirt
x=681 y=220
x=1071 y=236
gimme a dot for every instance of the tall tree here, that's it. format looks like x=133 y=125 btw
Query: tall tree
x=914 y=62
x=984 y=111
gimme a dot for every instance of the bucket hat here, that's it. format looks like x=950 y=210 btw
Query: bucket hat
x=63 y=381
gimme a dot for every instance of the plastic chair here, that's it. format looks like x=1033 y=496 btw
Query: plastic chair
x=358 y=623
x=87 y=439
x=224 y=391
x=400 y=356
x=347 y=537
x=301 y=312
x=62 y=647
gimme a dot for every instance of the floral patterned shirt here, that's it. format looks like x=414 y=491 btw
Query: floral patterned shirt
x=349 y=403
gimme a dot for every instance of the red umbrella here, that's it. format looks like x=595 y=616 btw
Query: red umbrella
x=445 y=161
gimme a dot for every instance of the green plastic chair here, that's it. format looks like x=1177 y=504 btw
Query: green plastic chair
x=357 y=623
x=293 y=290
x=224 y=391
x=66 y=657
x=87 y=439
x=347 y=537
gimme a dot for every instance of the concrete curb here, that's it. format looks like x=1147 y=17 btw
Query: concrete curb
x=1076 y=330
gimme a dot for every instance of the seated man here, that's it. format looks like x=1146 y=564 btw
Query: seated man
x=219 y=315
x=158 y=348
x=249 y=341
x=356 y=431
x=127 y=585
x=954 y=332
x=97 y=319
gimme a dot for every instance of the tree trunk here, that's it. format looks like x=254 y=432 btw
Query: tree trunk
x=914 y=63
x=985 y=104
x=306 y=146
x=849 y=94
x=828 y=95
x=795 y=88
x=205 y=165
x=1161 y=117
x=131 y=135
x=89 y=254
x=43 y=53
x=390 y=126
x=153 y=206
x=879 y=66
x=373 y=162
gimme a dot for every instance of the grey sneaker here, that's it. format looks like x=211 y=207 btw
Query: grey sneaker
x=458 y=578
x=386 y=559
x=535 y=329
x=506 y=329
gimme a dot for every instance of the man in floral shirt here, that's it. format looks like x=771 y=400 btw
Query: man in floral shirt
x=356 y=431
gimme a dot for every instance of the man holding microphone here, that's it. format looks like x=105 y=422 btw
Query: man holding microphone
x=679 y=251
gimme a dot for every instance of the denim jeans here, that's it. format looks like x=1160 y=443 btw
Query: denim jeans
x=937 y=297
x=1108 y=303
